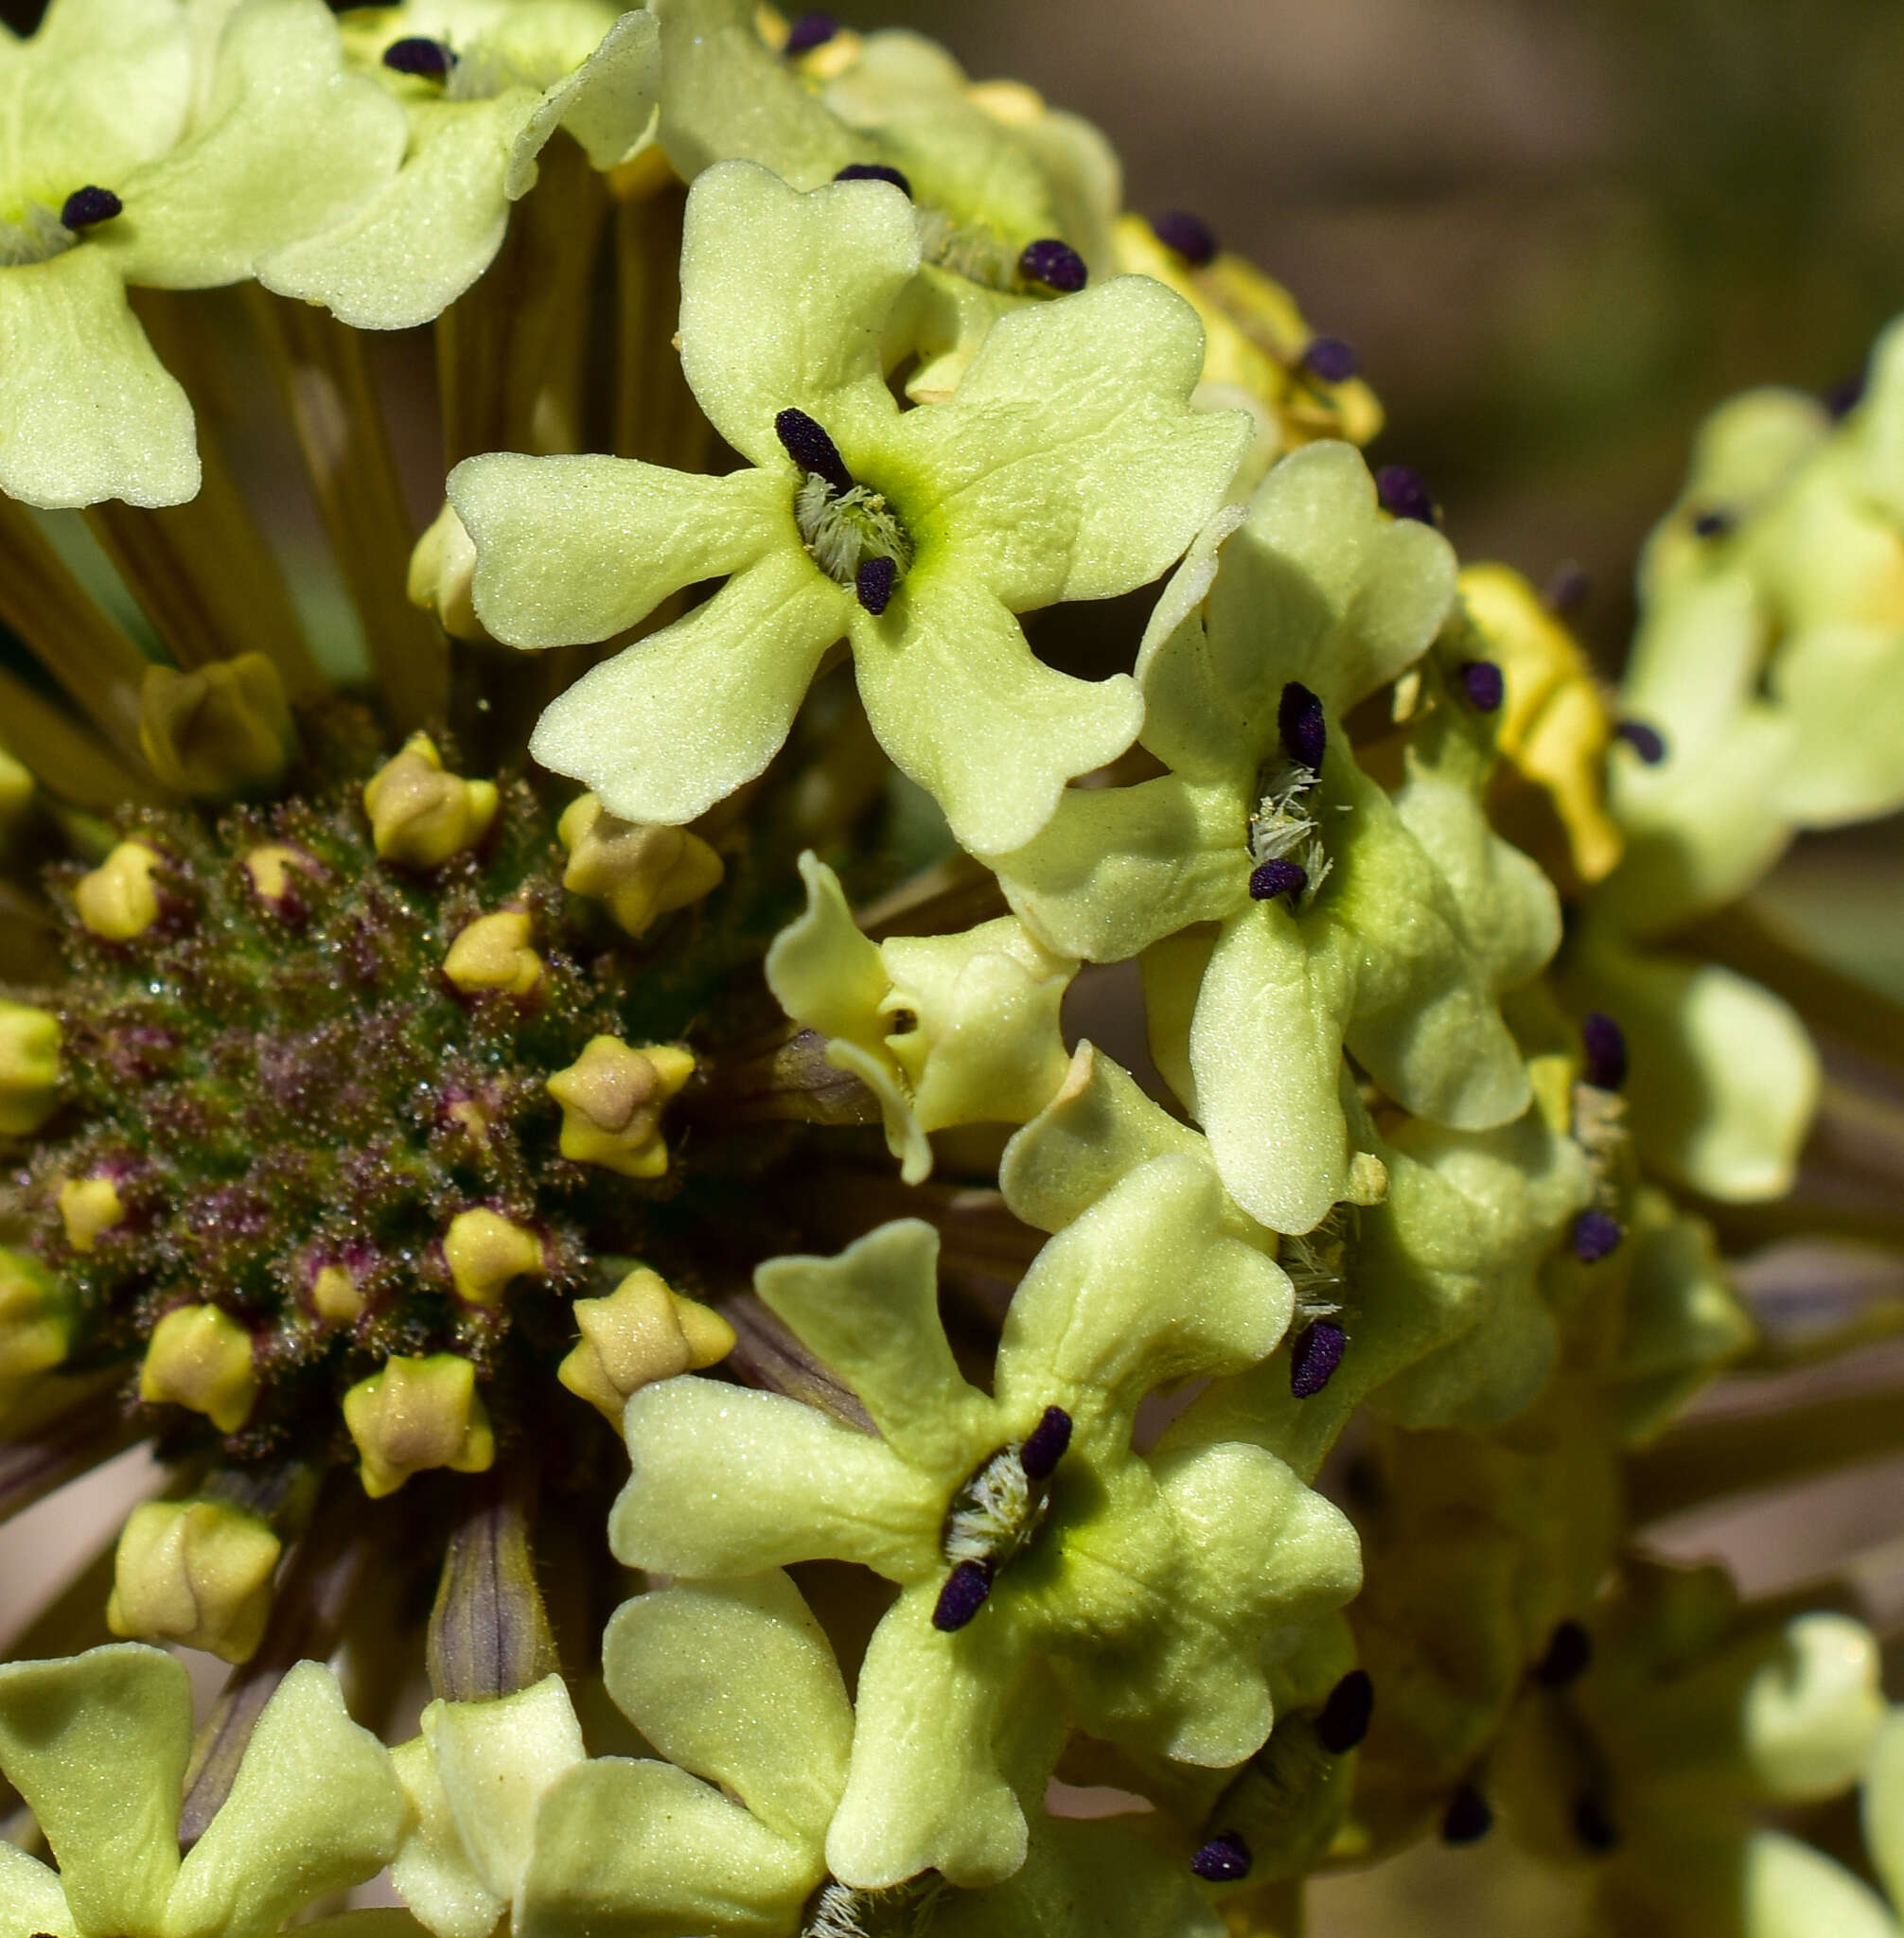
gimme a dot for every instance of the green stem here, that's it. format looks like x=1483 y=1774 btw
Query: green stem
x=489 y=1633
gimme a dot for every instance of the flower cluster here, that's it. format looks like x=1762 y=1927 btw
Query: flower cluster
x=614 y=964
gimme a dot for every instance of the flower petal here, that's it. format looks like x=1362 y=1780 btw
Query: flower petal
x=97 y=1744
x=823 y=971
x=32 y=1903
x=957 y=698
x=86 y=410
x=736 y=1682
x=606 y=104
x=432 y=1869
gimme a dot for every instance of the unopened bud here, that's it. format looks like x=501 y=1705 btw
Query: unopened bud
x=29 y=1067
x=640 y=870
x=421 y=816
x=335 y=1296
x=36 y=1318
x=88 y=1207
x=493 y=954
x=485 y=1252
x=201 y=1357
x=118 y=900
x=641 y=1332
x=275 y=869
x=441 y=569
x=414 y=1414
x=196 y=1572
x=612 y=1097
x=16 y=790
x=221 y=730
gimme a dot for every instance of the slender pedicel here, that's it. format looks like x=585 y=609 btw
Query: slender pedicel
x=1055 y=265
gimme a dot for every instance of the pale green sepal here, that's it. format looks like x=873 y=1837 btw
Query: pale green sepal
x=957 y=698
x=1881 y=1805
x=827 y=267
x=728 y=1482
x=87 y=412
x=631 y=1849
x=96 y=1745
x=315 y=1807
x=32 y=1903
x=736 y=1682
x=290 y=142
x=1791 y=1891
x=432 y=1869
x=575 y=549
x=679 y=720
x=607 y=104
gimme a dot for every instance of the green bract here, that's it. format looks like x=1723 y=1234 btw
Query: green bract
x=1069 y=467
x=211 y=171
x=943 y=1030
x=97 y=1743
x=1147 y=1605
x=736 y=1684
x=1413 y=916
x=520 y=70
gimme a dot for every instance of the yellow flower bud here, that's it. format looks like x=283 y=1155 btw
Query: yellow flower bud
x=273 y=868
x=419 y=815
x=197 y=1573
x=612 y=1098
x=16 y=790
x=29 y=1067
x=642 y=1332
x=221 y=729
x=201 y=1357
x=334 y=1296
x=442 y=565
x=640 y=870
x=118 y=900
x=416 y=1414
x=36 y=1318
x=484 y=1251
x=88 y=1207
x=493 y=953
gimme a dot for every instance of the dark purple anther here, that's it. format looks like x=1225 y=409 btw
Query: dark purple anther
x=1482 y=682
x=1223 y=1860
x=1845 y=395
x=1344 y=1721
x=873 y=582
x=1277 y=877
x=1596 y=1233
x=808 y=31
x=1570 y=1648
x=810 y=447
x=1046 y=1443
x=1605 y=1044
x=1298 y=720
x=1314 y=1358
x=1187 y=234
x=1644 y=740
x=1055 y=264
x=1568 y=587
x=1467 y=1819
x=1403 y=495
x=1594 y=1827
x=425 y=59
x=1712 y=524
x=85 y=206
x=1331 y=360
x=961 y=1598
x=874 y=172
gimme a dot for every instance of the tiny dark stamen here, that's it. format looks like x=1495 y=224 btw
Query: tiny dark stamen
x=808 y=31
x=1596 y=1234
x=86 y=207
x=1223 y=1860
x=1187 y=234
x=874 y=172
x=1403 y=495
x=1594 y=1827
x=961 y=1598
x=1331 y=360
x=873 y=582
x=1644 y=740
x=1345 y=1717
x=1277 y=877
x=1605 y=1044
x=1298 y=720
x=1314 y=1358
x=1568 y=588
x=1046 y=1443
x=1055 y=264
x=1482 y=682
x=415 y=54
x=1712 y=524
x=1844 y=396
x=810 y=447
x=1467 y=1819
x=1570 y=1648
